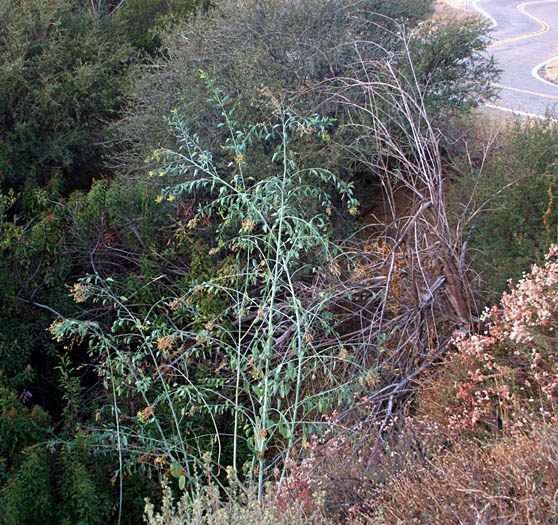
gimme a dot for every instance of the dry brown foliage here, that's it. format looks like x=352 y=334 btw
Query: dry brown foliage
x=401 y=290
x=409 y=262
x=512 y=481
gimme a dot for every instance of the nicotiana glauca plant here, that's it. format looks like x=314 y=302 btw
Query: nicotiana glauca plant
x=254 y=375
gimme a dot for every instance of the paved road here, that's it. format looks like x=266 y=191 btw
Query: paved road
x=521 y=44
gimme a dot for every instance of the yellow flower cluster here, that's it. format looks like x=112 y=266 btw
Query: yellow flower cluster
x=248 y=225
x=55 y=331
x=145 y=414
x=79 y=292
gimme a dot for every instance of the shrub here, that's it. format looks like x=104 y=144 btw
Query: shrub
x=505 y=202
x=246 y=367
x=481 y=439
x=288 y=47
x=29 y=496
x=453 y=74
x=511 y=369
x=503 y=379
x=20 y=427
x=239 y=505
x=304 y=52
x=62 y=77
x=43 y=247
x=33 y=268
x=143 y=21
x=85 y=493
x=335 y=469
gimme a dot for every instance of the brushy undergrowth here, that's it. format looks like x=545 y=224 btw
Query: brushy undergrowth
x=223 y=339
x=479 y=445
x=484 y=439
x=513 y=480
x=239 y=505
x=228 y=364
x=504 y=198
x=504 y=376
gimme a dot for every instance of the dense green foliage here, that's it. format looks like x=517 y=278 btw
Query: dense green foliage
x=63 y=70
x=306 y=55
x=144 y=21
x=62 y=79
x=508 y=203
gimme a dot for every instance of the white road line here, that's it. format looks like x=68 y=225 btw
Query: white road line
x=535 y=70
x=484 y=13
x=516 y=112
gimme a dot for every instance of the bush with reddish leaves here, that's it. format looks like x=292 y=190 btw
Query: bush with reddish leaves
x=500 y=386
x=508 y=375
x=330 y=470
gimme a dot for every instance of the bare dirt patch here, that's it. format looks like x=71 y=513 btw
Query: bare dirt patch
x=450 y=9
x=550 y=71
x=456 y=4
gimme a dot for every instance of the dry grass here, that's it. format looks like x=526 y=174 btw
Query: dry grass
x=512 y=481
x=449 y=8
x=456 y=4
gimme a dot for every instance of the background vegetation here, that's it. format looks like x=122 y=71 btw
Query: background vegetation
x=243 y=266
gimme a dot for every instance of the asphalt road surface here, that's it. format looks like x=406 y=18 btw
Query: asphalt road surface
x=525 y=37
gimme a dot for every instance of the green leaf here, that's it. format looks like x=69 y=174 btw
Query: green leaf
x=175 y=470
x=283 y=429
